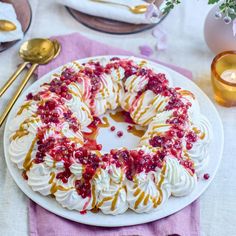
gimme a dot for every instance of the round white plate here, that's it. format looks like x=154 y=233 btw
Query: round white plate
x=128 y=218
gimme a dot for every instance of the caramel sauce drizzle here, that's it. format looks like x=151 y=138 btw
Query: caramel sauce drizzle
x=113 y=204
x=188 y=93
x=77 y=65
x=94 y=196
x=118 y=74
x=136 y=132
x=139 y=200
x=19 y=133
x=55 y=187
x=52 y=174
x=104 y=200
x=158 y=202
x=88 y=112
x=132 y=82
x=147 y=108
x=56 y=75
x=145 y=202
x=27 y=163
x=118 y=116
x=142 y=63
x=151 y=133
x=105 y=124
x=137 y=191
x=22 y=131
x=140 y=104
x=160 y=126
x=73 y=93
x=23 y=107
x=91 y=137
x=142 y=197
x=118 y=95
x=126 y=102
x=199 y=133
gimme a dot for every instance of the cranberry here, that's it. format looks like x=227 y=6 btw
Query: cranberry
x=177 y=145
x=64 y=175
x=64 y=88
x=105 y=158
x=173 y=152
x=96 y=121
x=123 y=154
x=129 y=127
x=68 y=96
x=162 y=154
x=36 y=97
x=206 y=176
x=24 y=175
x=113 y=151
x=99 y=147
x=141 y=152
x=119 y=134
x=114 y=59
x=191 y=137
x=112 y=128
x=29 y=96
x=189 y=146
x=129 y=175
x=170 y=133
x=156 y=141
x=83 y=188
x=180 y=134
x=83 y=212
x=134 y=153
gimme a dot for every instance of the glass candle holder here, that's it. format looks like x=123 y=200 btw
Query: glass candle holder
x=223 y=77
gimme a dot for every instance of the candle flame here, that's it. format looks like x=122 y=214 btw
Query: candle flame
x=233 y=75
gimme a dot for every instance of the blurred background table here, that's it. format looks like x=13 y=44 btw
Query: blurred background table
x=186 y=48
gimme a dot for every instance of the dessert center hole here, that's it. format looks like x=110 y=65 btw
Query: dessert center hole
x=119 y=132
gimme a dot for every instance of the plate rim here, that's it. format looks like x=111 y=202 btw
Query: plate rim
x=109 y=220
x=146 y=27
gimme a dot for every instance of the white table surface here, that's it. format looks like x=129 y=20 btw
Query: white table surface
x=186 y=48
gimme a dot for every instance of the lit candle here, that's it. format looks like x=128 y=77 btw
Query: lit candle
x=223 y=78
x=229 y=76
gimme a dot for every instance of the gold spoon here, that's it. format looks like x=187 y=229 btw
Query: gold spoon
x=138 y=9
x=29 y=57
x=6 y=25
x=35 y=51
x=57 y=47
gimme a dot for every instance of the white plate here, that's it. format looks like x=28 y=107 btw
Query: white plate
x=129 y=218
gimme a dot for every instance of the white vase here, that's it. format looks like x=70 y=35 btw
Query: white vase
x=218 y=35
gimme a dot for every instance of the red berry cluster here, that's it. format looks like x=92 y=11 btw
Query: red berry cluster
x=91 y=161
x=48 y=113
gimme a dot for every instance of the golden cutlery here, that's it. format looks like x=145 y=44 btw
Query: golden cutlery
x=57 y=47
x=6 y=25
x=138 y=9
x=37 y=52
x=28 y=59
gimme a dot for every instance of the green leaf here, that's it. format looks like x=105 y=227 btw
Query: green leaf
x=213 y=1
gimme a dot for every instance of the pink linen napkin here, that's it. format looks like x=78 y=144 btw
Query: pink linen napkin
x=45 y=223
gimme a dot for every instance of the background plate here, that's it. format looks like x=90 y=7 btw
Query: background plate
x=111 y=26
x=24 y=15
x=128 y=218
